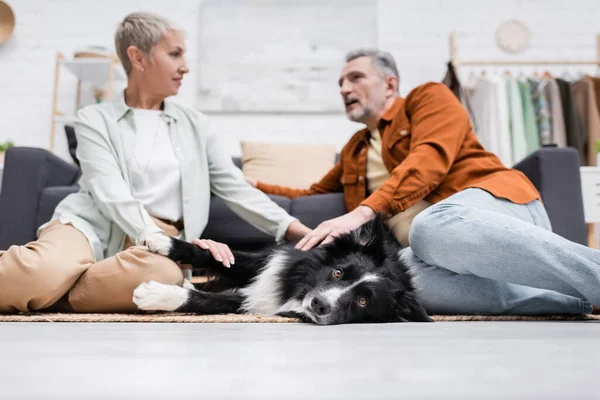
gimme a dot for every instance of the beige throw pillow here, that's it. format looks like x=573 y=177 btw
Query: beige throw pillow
x=293 y=165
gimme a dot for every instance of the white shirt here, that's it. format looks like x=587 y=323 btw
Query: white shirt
x=489 y=99
x=154 y=169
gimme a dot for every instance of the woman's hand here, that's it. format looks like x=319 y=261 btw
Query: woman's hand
x=219 y=251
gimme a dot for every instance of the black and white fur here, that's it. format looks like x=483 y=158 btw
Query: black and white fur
x=356 y=278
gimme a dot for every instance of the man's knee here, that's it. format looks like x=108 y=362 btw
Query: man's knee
x=432 y=231
x=422 y=228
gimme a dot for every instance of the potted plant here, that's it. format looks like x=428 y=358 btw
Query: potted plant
x=3 y=147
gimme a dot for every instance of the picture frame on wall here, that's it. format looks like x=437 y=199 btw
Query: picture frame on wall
x=263 y=56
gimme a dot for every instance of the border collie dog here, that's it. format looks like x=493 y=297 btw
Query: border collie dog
x=357 y=278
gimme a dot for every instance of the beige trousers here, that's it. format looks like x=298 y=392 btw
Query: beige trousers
x=59 y=270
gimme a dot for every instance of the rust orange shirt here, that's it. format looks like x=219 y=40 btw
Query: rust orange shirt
x=429 y=147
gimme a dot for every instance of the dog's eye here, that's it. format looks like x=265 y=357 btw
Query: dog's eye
x=361 y=301
x=337 y=273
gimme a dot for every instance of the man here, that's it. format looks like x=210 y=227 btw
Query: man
x=480 y=239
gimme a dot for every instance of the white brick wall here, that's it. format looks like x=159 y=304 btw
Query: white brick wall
x=415 y=32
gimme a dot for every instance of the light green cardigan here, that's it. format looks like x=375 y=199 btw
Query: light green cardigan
x=104 y=209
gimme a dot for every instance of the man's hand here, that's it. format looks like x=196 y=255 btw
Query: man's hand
x=327 y=230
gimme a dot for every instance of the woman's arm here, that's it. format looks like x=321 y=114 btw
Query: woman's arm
x=227 y=182
x=296 y=231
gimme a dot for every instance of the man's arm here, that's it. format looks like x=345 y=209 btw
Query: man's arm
x=330 y=183
x=439 y=125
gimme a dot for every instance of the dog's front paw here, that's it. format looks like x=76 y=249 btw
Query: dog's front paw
x=159 y=243
x=157 y=296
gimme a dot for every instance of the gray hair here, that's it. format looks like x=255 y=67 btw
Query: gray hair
x=382 y=60
x=142 y=30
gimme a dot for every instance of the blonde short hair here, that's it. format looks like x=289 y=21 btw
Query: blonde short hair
x=142 y=30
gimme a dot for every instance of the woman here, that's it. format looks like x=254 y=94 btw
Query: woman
x=148 y=168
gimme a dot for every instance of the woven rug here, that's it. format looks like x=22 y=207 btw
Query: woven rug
x=248 y=318
x=156 y=317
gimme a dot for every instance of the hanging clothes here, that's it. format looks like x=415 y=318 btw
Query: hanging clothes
x=532 y=134
x=516 y=123
x=596 y=81
x=576 y=134
x=514 y=116
x=559 y=133
x=488 y=99
x=542 y=110
x=453 y=82
x=585 y=100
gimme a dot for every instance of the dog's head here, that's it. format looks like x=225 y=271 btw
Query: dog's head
x=360 y=279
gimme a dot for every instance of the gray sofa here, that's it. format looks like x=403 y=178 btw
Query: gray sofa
x=35 y=181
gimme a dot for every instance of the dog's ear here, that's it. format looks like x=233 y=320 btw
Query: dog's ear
x=368 y=237
x=377 y=223
x=408 y=308
x=417 y=313
x=371 y=236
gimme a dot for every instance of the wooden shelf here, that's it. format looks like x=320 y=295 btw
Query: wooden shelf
x=94 y=70
x=64 y=119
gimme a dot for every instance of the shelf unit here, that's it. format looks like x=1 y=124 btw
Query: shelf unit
x=96 y=70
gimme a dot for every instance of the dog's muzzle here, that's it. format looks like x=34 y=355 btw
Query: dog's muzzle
x=320 y=306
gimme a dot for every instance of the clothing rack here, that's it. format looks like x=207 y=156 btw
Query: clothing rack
x=457 y=62
x=593 y=229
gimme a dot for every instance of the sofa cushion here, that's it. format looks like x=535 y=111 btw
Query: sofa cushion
x=49 y=199
x=27 y=171
x=555 y=173
x=312 y=210
x=292 y=165
x=226 y=226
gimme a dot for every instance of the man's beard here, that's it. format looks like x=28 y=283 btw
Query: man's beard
x=359 y=114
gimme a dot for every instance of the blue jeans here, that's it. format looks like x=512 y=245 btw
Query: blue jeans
x=473 y=253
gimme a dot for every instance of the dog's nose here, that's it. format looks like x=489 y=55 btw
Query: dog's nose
x=320 y=306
